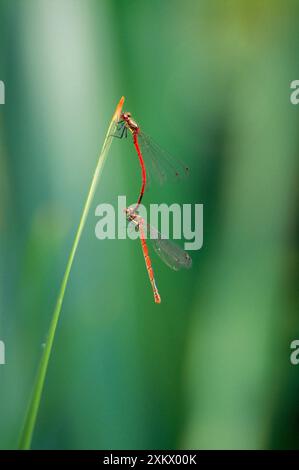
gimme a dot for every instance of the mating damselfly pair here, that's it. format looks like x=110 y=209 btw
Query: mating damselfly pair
x=154 y=160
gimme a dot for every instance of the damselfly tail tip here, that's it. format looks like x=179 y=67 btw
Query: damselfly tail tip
x=157 y=299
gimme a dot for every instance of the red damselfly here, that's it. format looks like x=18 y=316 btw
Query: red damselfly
x=172 y=255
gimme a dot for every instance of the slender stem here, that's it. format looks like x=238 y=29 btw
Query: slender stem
x=34 y=404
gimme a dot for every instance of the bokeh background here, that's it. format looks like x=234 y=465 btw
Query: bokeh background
x=210 y=81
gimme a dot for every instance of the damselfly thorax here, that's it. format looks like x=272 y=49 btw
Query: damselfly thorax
x=130 y=124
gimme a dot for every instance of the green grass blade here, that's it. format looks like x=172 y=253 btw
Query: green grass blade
x=31 y=415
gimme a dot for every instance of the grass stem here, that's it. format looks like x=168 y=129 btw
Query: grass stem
x=34 y=404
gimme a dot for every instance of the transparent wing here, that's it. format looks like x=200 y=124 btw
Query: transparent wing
x=172 y=255
x=160 y=162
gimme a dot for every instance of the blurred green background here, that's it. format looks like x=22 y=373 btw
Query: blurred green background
x=210 y=81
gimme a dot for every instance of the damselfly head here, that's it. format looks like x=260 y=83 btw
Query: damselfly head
x=130 y=123
x=126 y=115
x=131 y=213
